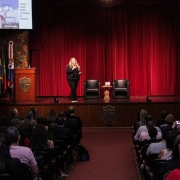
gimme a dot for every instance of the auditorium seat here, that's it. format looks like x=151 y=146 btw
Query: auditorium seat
x=92 y=89
x=121 y=88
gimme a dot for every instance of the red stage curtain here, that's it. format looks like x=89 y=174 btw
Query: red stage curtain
x=130 y=41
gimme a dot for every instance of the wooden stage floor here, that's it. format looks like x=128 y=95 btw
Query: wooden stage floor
x=91 y=111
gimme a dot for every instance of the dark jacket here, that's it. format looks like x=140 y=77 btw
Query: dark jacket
x=72 y=74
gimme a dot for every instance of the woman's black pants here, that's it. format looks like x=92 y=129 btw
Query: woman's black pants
x=73 y=85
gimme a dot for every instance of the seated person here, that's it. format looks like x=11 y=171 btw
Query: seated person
x=72 y=115
x=39 y=138
x=61 y=131
x=162 y=121
x=24 y=154
x=172 y=164
x=8 y=164
x=144 y=128
x=145 y=135
x=166 y=154
x=29 y=119
x=169 y=121
x=155 y=148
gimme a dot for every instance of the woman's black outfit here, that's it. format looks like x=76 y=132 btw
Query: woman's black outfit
x=73 y=79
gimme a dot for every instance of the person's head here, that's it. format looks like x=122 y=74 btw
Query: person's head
x=149 y=123
x=67 y=114
x=13 y=134
x=14 y=112
x=164 y=113
x=60 y=121
x=143 y=114
x=5 y=139
x=16 y=122
x=62 y=115
x=152 y=133
x=5 y=157
x=71 y=109
x=169 y=119
x=73 y=62
x=34 y=110
x=29 y=115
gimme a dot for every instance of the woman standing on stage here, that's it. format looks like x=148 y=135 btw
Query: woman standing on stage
x=73 y=75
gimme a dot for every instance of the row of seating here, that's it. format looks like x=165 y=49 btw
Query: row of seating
x=92 y=89
x=52 y=161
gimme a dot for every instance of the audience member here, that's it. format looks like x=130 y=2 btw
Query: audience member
x=144 y=128
x=8 y=164
x=39 y=138
x=14 y=114
x=173 y=163
x=72 y=115
x=166 y=154
x=51 y=117
x=162 y=121
x=25 y=135
x=152 y=131
x=51 y=130
x=35 y=113
x=60 y=130
x=16 y=122
x=155 y=148
x=29 y=119
x=24 y=154
x=70 y=123
x=169 y=120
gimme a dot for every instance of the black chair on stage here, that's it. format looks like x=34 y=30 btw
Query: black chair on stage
x=121 y=89
x=92 y=89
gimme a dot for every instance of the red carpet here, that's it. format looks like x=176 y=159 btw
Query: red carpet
x=111 y=155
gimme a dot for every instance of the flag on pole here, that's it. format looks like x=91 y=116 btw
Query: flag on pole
x=10 y=65
x=4 y=79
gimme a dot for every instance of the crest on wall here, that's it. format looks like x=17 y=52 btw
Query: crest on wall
x=109 y=114
x=25 y=83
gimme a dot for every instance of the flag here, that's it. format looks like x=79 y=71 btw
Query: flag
x=10 y=65
x=4 y=80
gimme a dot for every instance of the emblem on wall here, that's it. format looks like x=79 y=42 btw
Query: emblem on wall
x=109 y=114
x=25 y=83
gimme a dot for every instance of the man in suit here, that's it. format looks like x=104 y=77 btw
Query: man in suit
x=61 y=131
x=78 y=119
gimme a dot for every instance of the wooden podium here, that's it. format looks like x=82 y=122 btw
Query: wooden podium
x=24 y=85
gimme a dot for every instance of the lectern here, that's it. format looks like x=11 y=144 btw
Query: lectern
x=24 y=85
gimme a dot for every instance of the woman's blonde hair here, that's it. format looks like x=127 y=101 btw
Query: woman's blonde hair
x=76 y=63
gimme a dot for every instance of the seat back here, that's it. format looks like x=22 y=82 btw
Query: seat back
x=121 y=83
x=92 y=84
x=121 y=88
x=91 y=89
x=6 y=177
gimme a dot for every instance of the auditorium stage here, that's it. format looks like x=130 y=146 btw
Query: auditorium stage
x=92 y=111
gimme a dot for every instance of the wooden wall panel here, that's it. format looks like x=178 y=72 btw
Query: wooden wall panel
x=90 y=113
